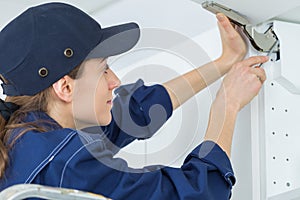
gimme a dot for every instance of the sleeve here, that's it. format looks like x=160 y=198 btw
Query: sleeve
x=205 y=174
x=138 y=112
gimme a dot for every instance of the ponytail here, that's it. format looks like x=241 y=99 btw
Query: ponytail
x=14 y=110
x=3 y=149
x=11 y=117
x=3 y=159
x=6 y=110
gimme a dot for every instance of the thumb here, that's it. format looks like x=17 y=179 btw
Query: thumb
x=225 y=25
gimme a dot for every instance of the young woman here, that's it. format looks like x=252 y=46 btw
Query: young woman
x=58 y=127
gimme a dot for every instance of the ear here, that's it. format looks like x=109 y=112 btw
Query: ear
x=64 y=88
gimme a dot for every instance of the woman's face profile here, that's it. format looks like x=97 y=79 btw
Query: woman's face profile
x=92 y=100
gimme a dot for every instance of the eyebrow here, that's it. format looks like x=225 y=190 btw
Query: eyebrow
x=103 y=69
x=104 y=59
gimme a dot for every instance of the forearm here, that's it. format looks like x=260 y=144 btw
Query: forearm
x=184 y=87
x=221 y=125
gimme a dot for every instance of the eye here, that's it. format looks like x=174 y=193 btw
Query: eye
x=106 y=69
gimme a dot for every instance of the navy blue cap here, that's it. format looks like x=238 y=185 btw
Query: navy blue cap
x=46 y=42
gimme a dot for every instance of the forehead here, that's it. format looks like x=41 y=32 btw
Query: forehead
x=94 y=63
x=92 y=67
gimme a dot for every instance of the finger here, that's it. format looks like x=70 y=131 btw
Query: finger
x=259 y=72
x=257 y=79
x=225 y=24
x=254 y=60
x=223 y=20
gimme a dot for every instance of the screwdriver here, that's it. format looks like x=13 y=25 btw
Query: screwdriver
x=271 y=51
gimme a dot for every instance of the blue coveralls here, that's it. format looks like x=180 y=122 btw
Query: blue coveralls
x=84 y=159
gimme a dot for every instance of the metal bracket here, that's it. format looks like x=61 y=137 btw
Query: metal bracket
x=264 y=42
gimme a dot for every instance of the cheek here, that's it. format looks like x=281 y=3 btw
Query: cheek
x=101 y=93
x=84 y=110
x=102 y=106
x=83 y=106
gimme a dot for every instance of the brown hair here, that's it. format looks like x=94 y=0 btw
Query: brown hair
x=38 y=102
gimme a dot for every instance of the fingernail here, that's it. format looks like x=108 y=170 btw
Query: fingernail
x=220 y=17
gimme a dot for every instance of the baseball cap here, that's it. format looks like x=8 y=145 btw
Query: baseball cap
x=47 y=41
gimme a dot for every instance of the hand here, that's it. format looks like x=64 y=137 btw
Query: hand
x=234 y=47
x=242 y=83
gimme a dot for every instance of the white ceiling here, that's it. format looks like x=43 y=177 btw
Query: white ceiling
x=11 y=8
x=256 y=10
x=292 y=15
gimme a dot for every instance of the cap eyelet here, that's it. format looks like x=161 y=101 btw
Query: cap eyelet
x=43 y=72
x=68 y=52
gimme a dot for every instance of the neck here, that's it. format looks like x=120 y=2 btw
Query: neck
x=62 y=115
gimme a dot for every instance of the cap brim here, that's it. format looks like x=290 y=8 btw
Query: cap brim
x=116 y=40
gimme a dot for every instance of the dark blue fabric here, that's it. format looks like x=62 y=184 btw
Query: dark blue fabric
x=131 y=113
x=80 y=160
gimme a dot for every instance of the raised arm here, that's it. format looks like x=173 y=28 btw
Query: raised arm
x=239 y=87
x=184 y=87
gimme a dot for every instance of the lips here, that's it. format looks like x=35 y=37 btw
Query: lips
x=109 y=102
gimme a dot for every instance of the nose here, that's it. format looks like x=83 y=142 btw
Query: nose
x=113 y=81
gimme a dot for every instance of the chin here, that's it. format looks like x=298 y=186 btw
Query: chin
x=105 y=121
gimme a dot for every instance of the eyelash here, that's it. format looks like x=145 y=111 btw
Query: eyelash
x=106 y=68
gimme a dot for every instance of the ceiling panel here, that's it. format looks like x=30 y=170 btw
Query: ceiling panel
x=258 y=11
x=292 y=15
